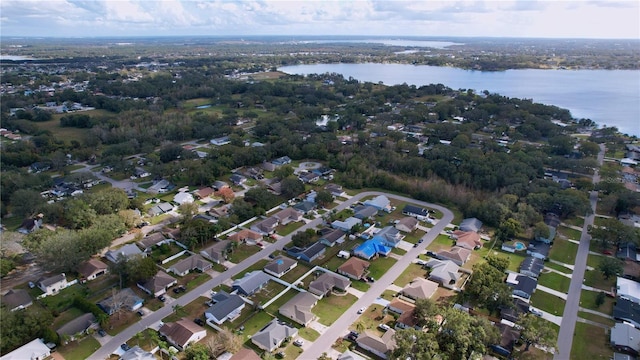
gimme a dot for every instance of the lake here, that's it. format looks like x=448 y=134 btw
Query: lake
x=608 y=97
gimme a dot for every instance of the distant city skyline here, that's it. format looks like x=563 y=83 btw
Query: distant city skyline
x=522 y=18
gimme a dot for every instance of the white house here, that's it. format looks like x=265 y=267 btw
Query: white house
x=183 y=198
x=34 y=350
x=52 y=285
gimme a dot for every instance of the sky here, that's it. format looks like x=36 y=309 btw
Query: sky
x=520 y=18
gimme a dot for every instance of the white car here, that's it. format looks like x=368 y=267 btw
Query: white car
x=361 y=310
x=384 y=327
x=298 y=342
x=535 y=311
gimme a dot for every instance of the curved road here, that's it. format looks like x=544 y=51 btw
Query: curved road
x=324 y=342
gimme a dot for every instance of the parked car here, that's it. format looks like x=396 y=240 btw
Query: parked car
x=179 y=289
x=125 y=347
x=431 y=253
x=361 y=310
x=384 y=327
x=535 y=311
x=199 y=321
x=280 y=355
x=102 y=333
x=31 y=285
x=298 y=342
x=162 y=298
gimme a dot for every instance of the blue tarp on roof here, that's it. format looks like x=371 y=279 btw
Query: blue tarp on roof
x=372 y=247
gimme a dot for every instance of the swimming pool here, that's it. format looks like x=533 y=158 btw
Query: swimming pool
x=520 y=246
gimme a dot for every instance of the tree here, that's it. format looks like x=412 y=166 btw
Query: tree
x=324 y=198
x=140 y=268
x=26 y=203
x=129 y=217
x=179 y=310
x=487 y=288
x=226 y=193
x=498 y=262
x=197 y=352
x=188 y=210
x=303 y=238
x=425 y=311
x=283 y=172
x=600 y=298
x=416 y=345
x=508 y=229
x=541 y=230
x=610 y=266
x=291 y=187
x=78 y=214
x=107 y=201
x=461 y=334
x=224 y=340
x=613 y=232
x=536 y=330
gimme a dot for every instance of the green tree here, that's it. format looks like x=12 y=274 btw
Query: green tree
x=324 y=198
x=140 y=268
x=291 y=187
x=416 y=345
x=461 y=334
x=425 y=311
x=197 y=352
x=541 y=230
x=283 y=172
x=499 y=262
x=600 y=298
x=508 y=229
x=536 y=330
x=107 y=201
x=78 y=214
x=188 y=210
x=487 y=288
x=26 y=203
x=610 y=266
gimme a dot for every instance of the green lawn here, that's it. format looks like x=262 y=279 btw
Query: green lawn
x=331 y=307
x=588 y=301
x=360 y=285
x=398 y=251
x=515 y=259
x=564 y=251
x=66 y=316
x=289 y=228
x=555 y=281
x=547 y=302
x=198 y=280
x=411 y=272
x=242 y=252
x=64 y=298
x=308 y=333
x=80 y=349
x=572 y=234
x=596 y=318
x=560 y=268
x=594 y=260
x=380 y=266
x=591 y=342
x=295 y=273
x=595 y=279
x=274 y=306
x=440 y=242
x=257 y=266
x=267 y=292
x=252 y=322
x=192 y=310
x=575 y=221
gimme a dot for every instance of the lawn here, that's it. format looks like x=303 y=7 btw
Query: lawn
x=289 y=228
x=575 y=221
x=560 y=268
x=192 y=310
x=63 y=300
x=547 y=302
x=66 y=316
x=588 y=301
x=242 y=252
x=295 y=273
x=196 y=279
x=253 y=322
x=360 y=285
x=398 y=251
x=572 y=234
x=331 y=307
x=80 y=349
x=594 y=260
x=380 y=266
x=596 y=318
x=308 y=333
x=592 y=343
x=276 y=305
x=595 y=279
x=257 y=266
x=267 y=292
x=440 y=242
x=555 y=281
x=515 y=259
x=564 y=251
x=411 y=272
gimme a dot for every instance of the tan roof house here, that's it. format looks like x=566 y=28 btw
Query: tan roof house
x=327 y=282
x=92 y=268
x=456 y=254
x=17 y=299
x=419 y=288
x=245 y=235
x=183 y=332
x=288 y=215
x=467 y=239
x=407 y=224
x=378 y=345
x=158 y=284
x=299 y=308
x=193 y=262
x=280 y=266
x=354 y=268
x=216 y=252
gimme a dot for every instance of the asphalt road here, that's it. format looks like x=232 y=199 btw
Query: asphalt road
x=112 y=345
x=570 y=315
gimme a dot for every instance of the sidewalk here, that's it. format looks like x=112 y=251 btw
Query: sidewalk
x=571 y=267
x=559 y=294
x=557 y=272
x=596 y=313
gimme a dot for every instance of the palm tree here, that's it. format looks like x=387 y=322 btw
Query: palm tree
x=360 y=327
x=179 y=310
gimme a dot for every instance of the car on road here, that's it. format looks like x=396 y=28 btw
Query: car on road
x=535 y=311
x=162 y=298
x=384 y=327
x=415 y=245
x=420 y=241
x=298 y=342
x=361 y=310
x=102 y=333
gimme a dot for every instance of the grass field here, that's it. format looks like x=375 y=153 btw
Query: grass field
x=591 y=343
x=595 y=279
x=594 y=260
x=411 y=272
x=547 y=302
x=564 y=251
x=560 y=268
x=80 y=350
x=596 y=318
x=588 y=301
x=330 y=308
x=380 y=266
x=555 y=281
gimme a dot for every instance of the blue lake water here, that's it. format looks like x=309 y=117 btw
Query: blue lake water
x=608 y=97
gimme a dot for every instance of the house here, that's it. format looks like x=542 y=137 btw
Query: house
x=284 y=160
x=193 y=262
x=347 y=224
x=77 y=326
x=407 y=224
x=237 y=179
x=305 y=207
x=33 y=350
x=531 y=266
x=539 y=249
x=467 y=239
x=523 y=286
x=245 y=236
x=336 y=236
x=266 y=227
x=275 y=186
x=628 y=289
x=513 y=313
x=299 y=308
x=389 y=236
x=267 y=166
x=30 y=225
x=92 y=268
x=408 y=320
x=549 y=239
x=158 y=284
x=182 y=333
x=399 y=306
x=224 y=140
x=272 y=335
x=627 y=310
x=456 y=254
x=183 y=198
x=419 y=288
x=217 y=252
x=280 y=266
x=53 y=284
x=627 y=251
x=625 y=337
x=381 y=346
x=621 y=356
x=151 y=240
x=160 y=209
x=350 y=355
x=217 y=185
x=288 y=215
x=203 y=192
x=354 y=268
x=416 y=212
x=328 y=281
x=307 y=254
x=228 y=307
x=124 y=299
x=371 y=248
x=251 y=282
x=125 y=252
x=244 y=354
x=17 y=299
x=445 y=272
x=335 y=190
x=380 y=202
x=470 y=224
x=137 y=353
x=309 y=177
x=508 y=336
x=364 y=212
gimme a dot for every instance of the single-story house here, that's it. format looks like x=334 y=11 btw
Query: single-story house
x=335 y=190
x=268 y=166
x=407 y=320
x=33 y=350
x=350 y=355
x=364 y=212
x=183 y=198
x=621 y=356
x=467 y=239
x=77 y=326
x=538 y=249
x=288 y=215
x=238 y=179
x=389 y=236
x=137 y=353
x=627 y=310
x=246 y=236
x=53 y=284
x=399 y=306
x=354 y=268
x=251 y=282
x=523 y=286
x=445 y=272
x=407 y=224
x=347 y=224
x=508 y=336
x=416 y=212
x=371 y=248
x=193 y=262
x=628 y=289
x=218 y=184
x=627 y=251
x=299 y=308
x=513 y=313
x=266 y=227
x=381 y=346
x=182 y=333
x=327 y=282
x=272 y=335
x=158 y=284
x=305 y=207
x=151 y=240
x=228 y=307
x=470 y=224
x=17 y=299
x=625 y=337
x=281 y=161
x=336 y=236
x=309 y=177
x=217 y=252
x=92 y=268
x=123 y=299
x=203 y=192
x=531 y=266
x=419 y=288
x=380 y=202
x=280 y=266
x=456 y=254
x=161 y=208
x=309 y=253
x=125 y=252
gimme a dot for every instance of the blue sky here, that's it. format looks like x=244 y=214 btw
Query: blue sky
x=521 y=18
